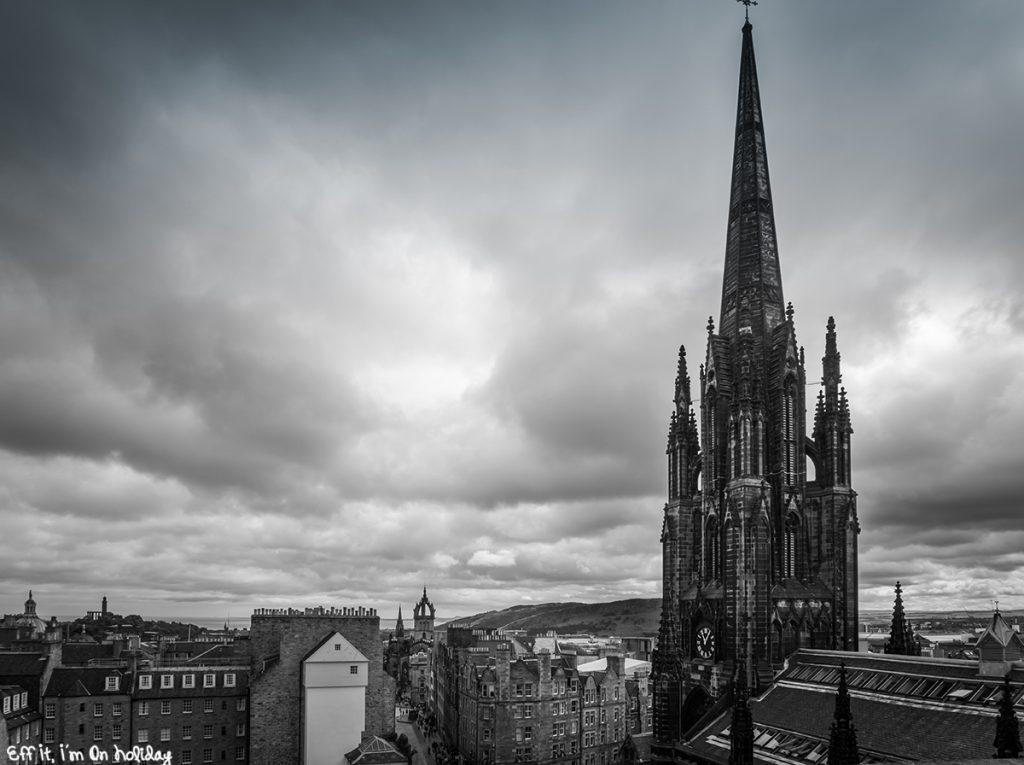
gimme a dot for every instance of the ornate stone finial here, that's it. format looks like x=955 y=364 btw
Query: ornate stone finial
x=711 y=325
x=789 y=311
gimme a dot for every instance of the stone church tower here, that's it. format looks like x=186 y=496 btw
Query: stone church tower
x=424 y=619
x=758 y=558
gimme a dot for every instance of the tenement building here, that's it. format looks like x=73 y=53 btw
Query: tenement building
x=497 y=701
x=318 y=685
x=760 y=558
x=198 y=713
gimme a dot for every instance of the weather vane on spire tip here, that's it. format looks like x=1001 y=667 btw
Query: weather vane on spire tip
x=747 y=4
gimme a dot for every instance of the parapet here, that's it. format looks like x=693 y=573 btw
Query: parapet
x=317 y=611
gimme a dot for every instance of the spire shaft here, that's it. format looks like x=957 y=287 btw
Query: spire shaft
x=752 y=287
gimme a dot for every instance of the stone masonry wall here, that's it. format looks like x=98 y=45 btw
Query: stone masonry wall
x=275 y=691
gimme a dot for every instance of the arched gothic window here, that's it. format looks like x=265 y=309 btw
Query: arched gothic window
x=789 y=542
x=789 y=433
x=711 y=453
x=712 y=550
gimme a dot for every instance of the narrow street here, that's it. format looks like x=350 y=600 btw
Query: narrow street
x=412 y=732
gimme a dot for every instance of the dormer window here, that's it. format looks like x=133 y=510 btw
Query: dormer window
x=113 y=682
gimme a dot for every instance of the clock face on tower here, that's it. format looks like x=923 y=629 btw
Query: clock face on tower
x=705 y=642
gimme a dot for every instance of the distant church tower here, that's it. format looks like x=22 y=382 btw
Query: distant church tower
x=757 y=559
x=423 y=617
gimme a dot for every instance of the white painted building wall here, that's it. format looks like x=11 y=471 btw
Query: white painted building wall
x=334 y=681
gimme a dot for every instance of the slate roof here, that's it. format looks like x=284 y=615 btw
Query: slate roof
x=903 y=707
x=374 y=750
x=642 y=742
x=18 y=663
x=83 y=653
x=219 y=652
x=1001 y=632
x=86 y=681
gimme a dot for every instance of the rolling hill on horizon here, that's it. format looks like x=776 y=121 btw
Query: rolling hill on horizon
x=640 y=616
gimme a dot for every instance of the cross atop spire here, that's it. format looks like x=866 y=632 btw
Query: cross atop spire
x=747 y=3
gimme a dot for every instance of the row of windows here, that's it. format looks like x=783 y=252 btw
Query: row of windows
x=961 y=691
x=186 y=732
x=561 y=707
x=525 y=690
x=25 y=733
x=558 y=748
x=98 y=708
x=560 y=686
x=15 y=701
x=591 y=695
x=188 y=706
x=560 y=729
x=523 y=753
x=603 y=736
x=591 y=759
x=207 y=755
x=117 y=732
x=187 y=681
x=116 y=707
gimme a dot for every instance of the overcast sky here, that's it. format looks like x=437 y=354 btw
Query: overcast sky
x=320 y=304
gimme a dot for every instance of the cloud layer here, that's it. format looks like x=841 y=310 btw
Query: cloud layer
x=321 y=306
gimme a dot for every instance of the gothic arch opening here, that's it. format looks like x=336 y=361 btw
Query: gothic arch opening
x=813 y=460
x=697 y=703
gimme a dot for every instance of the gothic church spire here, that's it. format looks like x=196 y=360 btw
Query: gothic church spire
x=752 y=288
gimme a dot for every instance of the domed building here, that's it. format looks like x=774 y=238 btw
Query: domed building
x=27 y=625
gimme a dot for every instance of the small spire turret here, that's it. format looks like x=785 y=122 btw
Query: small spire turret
x=1007 y=740
x=842 y=740
x=901 y=635
x=741 y=728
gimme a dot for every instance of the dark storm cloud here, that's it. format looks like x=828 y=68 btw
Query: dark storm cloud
x=360 y=274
